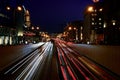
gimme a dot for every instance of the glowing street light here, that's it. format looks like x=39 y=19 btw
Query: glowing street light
x=113 y=22
x=90 y=8
x=38 y=28
x=19 y=8
x=74 y=28
x=95 y=1
x=100 y=9
x=32 y=28
x=8 y=8
x=70 y=28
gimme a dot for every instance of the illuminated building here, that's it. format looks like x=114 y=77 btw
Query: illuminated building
x=112 y=18
x=11 y=22
x=102 y=22
x=7 y=30
x=27 y=19
x=74 y=31
x=93 y=23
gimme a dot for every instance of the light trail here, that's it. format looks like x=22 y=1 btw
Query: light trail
x=28 y=72
x=80 y=65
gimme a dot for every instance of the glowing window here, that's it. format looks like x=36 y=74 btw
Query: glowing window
x=93 y=23
x=100 y=9
x=100 y=19
x=100 y=23
x=95 y=10
x=93 y=19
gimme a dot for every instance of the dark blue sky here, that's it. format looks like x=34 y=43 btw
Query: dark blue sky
x=52 y=15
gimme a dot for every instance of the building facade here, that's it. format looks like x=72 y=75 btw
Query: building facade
x=11 y=22
x=112 y=18
x=74 y=31
x=102 y=23
x=93 y=30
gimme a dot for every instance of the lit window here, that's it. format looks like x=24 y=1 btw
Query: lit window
x=33 y=28
x=100 y=23
x=100 y=19
x=27 y=18
x=113 y=22
x=70 y=28
x=81 y=28
x=100 y=9
x=93 y=19
x=37 y=28
x=95 y=23
x=74 y=28
x=95 y=10
x=104 y=25
x=81 y=35
x=92 y=14
x=92 y=23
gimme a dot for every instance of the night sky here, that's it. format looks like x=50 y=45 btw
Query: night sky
x=52 y=15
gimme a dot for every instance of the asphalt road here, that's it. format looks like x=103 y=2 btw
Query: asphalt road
x=75 y=64
x=40 y=64
x=106 y=55
x=10 y=54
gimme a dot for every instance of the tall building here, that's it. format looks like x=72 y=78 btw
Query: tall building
x=8 y=32
x=112 y=18
x=102 y=22
x=93 y=23
x=11 y=21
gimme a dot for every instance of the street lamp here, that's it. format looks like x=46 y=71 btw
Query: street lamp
x=19 y=8
x=70 y=28
x=90 y=9
x=37 y=28
x=95 y=1
x=74 y=28
x=32 y=28
x=8 y=8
